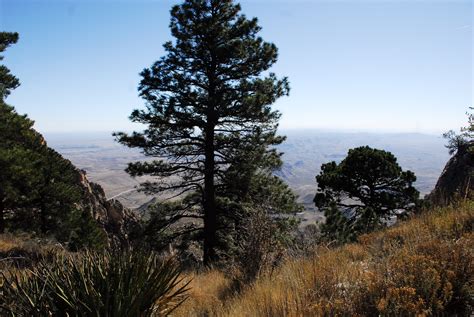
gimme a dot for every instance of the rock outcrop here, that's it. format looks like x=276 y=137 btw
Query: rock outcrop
x=112 y=216
x=457 y=180
x=45 y=189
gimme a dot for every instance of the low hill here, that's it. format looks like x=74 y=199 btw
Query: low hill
x=422 y=267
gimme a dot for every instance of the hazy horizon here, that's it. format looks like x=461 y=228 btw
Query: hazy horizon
x=281 y=131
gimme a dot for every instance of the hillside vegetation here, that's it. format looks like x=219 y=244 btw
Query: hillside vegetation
x=424 y=266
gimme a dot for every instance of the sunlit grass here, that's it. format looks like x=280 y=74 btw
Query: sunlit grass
x=208 y=291
x=424 y=266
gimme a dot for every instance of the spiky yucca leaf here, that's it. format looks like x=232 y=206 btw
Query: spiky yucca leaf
x=117 y=283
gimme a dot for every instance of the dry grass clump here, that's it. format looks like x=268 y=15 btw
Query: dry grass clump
x=423 y=267
x=208 y=291
x=10 y=243
x=23 y=250
x=7 y=243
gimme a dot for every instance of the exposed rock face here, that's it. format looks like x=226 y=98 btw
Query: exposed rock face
x=113 y=217
x=457 y=179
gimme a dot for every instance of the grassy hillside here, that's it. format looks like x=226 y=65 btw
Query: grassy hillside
x=424 y=266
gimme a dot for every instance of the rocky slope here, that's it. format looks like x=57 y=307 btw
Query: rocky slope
x=457 y=179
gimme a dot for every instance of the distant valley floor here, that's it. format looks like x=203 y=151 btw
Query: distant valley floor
x=305 y=151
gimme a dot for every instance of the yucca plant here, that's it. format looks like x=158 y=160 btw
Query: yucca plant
x=117 y=283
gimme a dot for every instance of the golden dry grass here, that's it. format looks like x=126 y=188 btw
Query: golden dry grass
x=9 y=242
x=24 y=250
x=422 y=267
x=207 y=294
x=24 y=242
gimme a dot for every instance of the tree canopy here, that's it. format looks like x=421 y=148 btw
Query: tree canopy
x=362 y=192
x=464 y=138
x=8 y=82
x=208 y=108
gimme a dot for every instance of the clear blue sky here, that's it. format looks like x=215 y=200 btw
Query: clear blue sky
x=353 y=65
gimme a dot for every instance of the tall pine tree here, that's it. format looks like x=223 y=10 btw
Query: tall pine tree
x=208 y=102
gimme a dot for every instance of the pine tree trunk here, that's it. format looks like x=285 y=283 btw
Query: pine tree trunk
x=209 y=203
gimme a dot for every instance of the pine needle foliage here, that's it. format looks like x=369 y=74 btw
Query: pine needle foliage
x=363 y=192
x=463 y=139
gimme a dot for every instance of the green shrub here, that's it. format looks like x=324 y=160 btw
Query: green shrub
x=81 y=231
x=117 y=283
